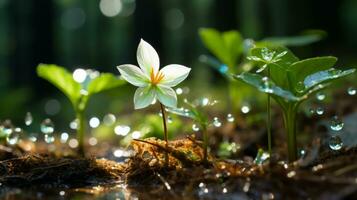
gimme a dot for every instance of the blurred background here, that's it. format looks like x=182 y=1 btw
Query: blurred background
x=102 y=34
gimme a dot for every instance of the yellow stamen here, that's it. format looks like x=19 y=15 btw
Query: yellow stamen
x=155 y=78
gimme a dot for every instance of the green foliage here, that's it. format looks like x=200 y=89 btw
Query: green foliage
x=62 y=79
x=226 y=46
x=291 y=82
x=305 y=38
x=78 y=94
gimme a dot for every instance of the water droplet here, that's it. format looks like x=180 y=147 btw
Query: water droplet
x=94 y=122
x=261 y=157
x=169 y=119
x=311 y=111
x=136 y=135
x=195 y=127
x=109 y=119
x=320 y=96
x=224 y=190
x=320 y=111
x=216 y=122
x=179 y=91
x=336 y=124
x=335 y=143
x=64 y=137
x=122 y=130
x=33 y=137
x=245 y=109
x=300 y=87
x=351 y=91
x=28 y=119
x=62 y=193
x=73 y=143
x=79 y=75
x=223 y=69
x=230 y=118
x=6 y=128
x=302 y=153
x=266 y=85
x=13 y=138
x=49 y=138
x=204 y=101
x=47 y=126
x=92 y=141
x=267 y=54
x=73 y=124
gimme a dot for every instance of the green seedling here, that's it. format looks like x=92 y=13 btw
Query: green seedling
x=154 y=84
x=195 y=111
x=78 y=92
x=230 y=50
x=291 y=82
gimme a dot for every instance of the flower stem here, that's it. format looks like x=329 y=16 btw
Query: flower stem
x=290 y=127
x=80 y=132
x=269 y=122
x=205 y=144
x=165 y=133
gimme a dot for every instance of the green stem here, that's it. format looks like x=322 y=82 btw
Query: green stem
x=269 y=122
x=80 y=131
x=165 y=133
x=205 y=143
x=290 y=127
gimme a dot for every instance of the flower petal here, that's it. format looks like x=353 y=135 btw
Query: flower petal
x=147 y=57
x=133 y=75
x=166 y=96
x=174 y=74
x=144 y=96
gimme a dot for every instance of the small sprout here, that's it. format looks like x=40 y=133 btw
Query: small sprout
x=154 y=84
x=196 y=112
x=292 y=82
x=78 y=88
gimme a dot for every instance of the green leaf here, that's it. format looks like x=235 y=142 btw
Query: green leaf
x=325 y=76
x=269 y=87
x=215 y=64
x=182 y=112
x=300 y=40
x=281 y=59
x=286 y=60
x=299 y=70
x=105 y=81
x=226 y=46
x=62 y=79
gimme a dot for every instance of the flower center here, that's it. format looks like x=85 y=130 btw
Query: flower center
x=156 y=78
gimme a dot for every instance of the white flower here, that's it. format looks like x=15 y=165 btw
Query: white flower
x=154 y=84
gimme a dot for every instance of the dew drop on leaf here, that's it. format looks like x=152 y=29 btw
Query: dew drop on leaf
x=336 y=123
x=320 y=111
x=266 y=85
x=195 y=127
x=300 y=87
x=351 y=91
x=267 y=54
x=320 y=96
x=335 y=143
